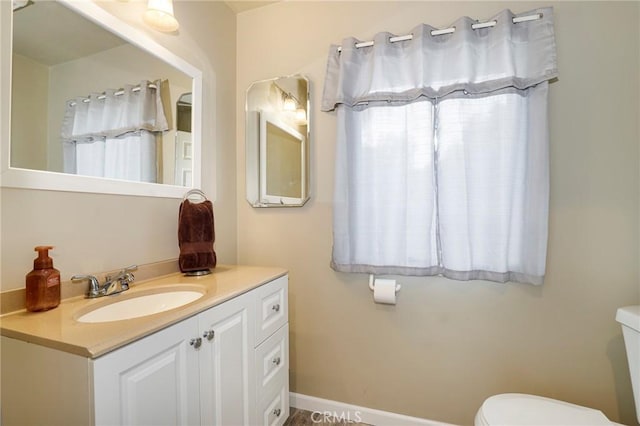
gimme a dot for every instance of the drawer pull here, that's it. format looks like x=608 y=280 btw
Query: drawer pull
x=196 y=343
x=276 y=307
x=209 y=334
x=277 y=412
x=276 y=360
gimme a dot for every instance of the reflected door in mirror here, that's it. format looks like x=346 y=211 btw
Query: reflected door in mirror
x=184 y=143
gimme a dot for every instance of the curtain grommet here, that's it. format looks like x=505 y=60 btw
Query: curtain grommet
x=443 y=31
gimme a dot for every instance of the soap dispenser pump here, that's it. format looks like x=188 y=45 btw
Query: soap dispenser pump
x=43 y=283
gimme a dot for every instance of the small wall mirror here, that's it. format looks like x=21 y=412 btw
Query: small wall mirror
x=277 y=142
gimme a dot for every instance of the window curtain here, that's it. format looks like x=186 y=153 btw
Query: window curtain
x=442 y=151
x=113 y=134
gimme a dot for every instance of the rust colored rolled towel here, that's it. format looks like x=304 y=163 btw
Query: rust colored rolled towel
x=196 y=235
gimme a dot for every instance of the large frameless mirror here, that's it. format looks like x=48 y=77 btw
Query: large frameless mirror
x=277 y=142
x=77 y=74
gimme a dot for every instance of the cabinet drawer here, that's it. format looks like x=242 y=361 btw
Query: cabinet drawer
x=274 y=411
x=272 y=308
x=272 y=362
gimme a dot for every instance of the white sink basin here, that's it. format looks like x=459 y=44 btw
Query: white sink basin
x=140 y=306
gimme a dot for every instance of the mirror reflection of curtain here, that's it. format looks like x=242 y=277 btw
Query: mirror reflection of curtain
x=113 y=135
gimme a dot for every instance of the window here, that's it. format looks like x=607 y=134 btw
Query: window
x=441 y=160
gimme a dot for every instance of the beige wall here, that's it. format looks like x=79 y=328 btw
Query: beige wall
x=95 y=232
x=448 y=345
x=31 y=80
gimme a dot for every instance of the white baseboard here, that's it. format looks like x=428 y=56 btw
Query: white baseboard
x=347 y=412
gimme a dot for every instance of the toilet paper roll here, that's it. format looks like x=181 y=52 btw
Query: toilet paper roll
x=384 y=291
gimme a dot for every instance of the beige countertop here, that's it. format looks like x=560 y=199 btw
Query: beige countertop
x=59 y=329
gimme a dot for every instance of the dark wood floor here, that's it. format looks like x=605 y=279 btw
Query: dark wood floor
x=308 y=418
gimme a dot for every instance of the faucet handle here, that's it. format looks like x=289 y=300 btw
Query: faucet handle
x=123 y=273
x=130 y=268
x=94 y=285
x=126 y=279
x=127 y=275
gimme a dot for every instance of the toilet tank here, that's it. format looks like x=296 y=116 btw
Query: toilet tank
x=629 y=318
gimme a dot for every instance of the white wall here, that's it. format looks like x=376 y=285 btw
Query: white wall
x=447 y=345
x=94 y=232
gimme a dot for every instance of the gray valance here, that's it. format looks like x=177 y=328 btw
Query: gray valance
x=115 y=113
x=482 y=60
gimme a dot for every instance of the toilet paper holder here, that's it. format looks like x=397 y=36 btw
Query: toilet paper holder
x=372 y=285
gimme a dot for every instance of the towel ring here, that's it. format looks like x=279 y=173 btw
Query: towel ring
x=197 y=192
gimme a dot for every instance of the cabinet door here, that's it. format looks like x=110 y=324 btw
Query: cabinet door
x=227 y=386
x=153 y=381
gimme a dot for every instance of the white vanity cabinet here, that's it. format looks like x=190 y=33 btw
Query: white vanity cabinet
x=227 y=365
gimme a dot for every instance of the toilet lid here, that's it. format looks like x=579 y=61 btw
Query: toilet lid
x=521 y=409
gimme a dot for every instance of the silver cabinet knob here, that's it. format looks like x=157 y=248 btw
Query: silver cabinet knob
x=276 y=307
x=276 y=360
x=209 y=334
x=277 y=412
x=196 y=343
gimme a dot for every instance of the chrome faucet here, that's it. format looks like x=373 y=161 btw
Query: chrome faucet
x=112 y=285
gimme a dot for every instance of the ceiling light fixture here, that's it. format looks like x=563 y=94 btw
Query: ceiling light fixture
x=159 y=16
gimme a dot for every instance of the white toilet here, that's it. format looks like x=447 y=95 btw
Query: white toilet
x=520 y=409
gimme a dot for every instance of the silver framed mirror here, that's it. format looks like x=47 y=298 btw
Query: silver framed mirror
x=277 y=140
